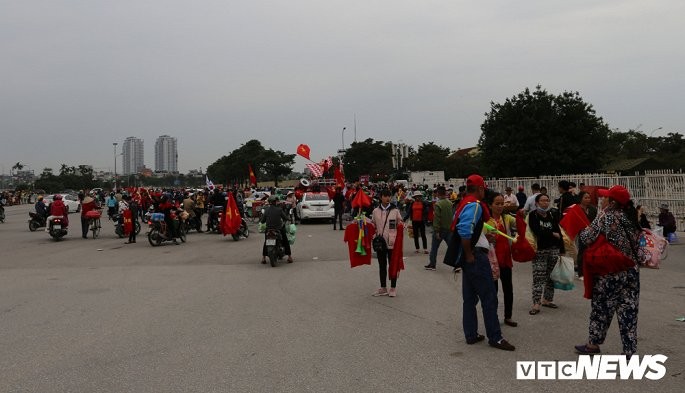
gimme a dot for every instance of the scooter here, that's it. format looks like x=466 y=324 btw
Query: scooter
x=158 y=230
x=243 y=231
x=36 y=221
x=56 y=227
x=119 y=229
x=274 y=246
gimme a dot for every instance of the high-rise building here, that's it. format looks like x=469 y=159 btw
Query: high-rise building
x=166 y=154
x=134 y=155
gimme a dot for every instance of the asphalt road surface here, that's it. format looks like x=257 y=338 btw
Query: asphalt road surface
x=205 y=316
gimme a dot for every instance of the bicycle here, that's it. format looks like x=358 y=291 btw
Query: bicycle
x=94 y=222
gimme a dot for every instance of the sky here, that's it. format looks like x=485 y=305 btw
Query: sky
x=76 y=76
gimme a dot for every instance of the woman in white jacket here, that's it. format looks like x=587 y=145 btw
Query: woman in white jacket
x=387 y=220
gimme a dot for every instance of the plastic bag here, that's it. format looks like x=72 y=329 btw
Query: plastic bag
x=655 y=248
x=291 y=238
x=410 y=230
x=261 y=228
x=562 y=274
x=291 y=229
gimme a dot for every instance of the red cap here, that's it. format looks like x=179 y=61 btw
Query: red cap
x=520 y=188
x=475 y=180
x=618 y=193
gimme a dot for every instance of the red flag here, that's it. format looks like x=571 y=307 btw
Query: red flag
x=521 y=250
x=303 y=150
x=361 y=200
x=574 y=221
x=231 y=218
x=128 y=222
x=339 y=177
x=253 y=178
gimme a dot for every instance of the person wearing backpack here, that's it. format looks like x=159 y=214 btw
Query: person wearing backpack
x=477 y=283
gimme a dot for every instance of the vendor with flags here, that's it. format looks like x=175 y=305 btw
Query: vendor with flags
x=388 y=223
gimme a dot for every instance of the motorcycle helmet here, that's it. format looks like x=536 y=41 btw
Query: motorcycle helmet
x=57 y=197
x=273 y=199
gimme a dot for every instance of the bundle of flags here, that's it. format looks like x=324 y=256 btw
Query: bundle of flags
x=230 y=220
x=321 y=168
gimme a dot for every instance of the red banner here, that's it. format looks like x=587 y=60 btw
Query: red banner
x=128 y=222
x=253 y=178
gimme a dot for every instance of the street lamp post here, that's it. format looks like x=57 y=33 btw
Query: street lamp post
x=115 y=165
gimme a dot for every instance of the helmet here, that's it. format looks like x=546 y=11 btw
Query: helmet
x=57 y=197
x=273 y=199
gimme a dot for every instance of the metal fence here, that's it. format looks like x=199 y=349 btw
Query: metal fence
x=650 y=189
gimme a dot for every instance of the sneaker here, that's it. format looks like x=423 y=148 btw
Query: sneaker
x=425 y=251
x=380 y=292
x=503 y=345
x=429 y=267
x=393 y=292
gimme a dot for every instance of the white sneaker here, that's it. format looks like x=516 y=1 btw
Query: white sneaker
x=380 y=292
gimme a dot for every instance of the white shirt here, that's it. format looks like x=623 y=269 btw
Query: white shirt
x=530 y=203
x=510 y=200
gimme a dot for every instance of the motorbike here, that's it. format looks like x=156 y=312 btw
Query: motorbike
x=56 y=228
x=36 y=221
x=2 y=213
x=119 y=228
x=157 y=234
x=215 y=220
x=275 y=249
x=243 y=231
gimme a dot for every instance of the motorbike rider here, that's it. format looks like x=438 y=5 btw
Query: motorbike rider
x=41 y=208
x=166 y=206
x=275 y=218
x=89 y=203
x=190 y=208
x=218 y=203
x=111 y=205
x=58 y=208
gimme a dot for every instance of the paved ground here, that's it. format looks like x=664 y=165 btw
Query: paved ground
x=101 y=316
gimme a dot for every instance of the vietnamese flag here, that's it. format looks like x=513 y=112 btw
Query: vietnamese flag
x=128 y=222
x=253 y=178
x=230 y=221
x=574 y=221
x=339 y=177
x=304 y=151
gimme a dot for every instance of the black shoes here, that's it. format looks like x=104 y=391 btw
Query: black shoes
x=503 y=345
x=478 y=339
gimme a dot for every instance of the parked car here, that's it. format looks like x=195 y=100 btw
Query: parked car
x=315 y=205
x=70 y=200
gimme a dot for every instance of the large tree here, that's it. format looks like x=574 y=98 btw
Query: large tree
x=537 y=133
x=368 y=157
x=428 y=157
x=233 y=168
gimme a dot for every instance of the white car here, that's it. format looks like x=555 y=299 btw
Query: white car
x=315 y=205
x=71 y=201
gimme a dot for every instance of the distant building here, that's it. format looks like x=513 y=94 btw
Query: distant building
x=166 y=154
x=134 y=155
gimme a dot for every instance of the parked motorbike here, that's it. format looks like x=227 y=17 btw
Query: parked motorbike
x=36 y=221
x=119 y=228
x=157 y=233
x=56 y=227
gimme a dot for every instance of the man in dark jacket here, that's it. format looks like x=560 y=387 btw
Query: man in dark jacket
x=275 y=218
x=339 y=207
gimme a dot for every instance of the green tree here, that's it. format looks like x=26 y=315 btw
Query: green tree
x=233 y=168
x=535 y=133
x=277 y=164
x=428 y=157
x=368 y=157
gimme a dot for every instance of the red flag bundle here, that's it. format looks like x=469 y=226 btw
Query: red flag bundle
x=253 y=178
x=361 y=200
x=316 y=169
x=230 y=221
x=128 y=222
x=574 y=221
x=303 y=150
x=521 y=250
x=339 y=177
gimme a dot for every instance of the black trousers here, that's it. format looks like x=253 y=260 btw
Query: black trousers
x=383 y=262
x=507 y=289
x=338 y=217
x=419 y=228
x=132 y=235
x=84 y=226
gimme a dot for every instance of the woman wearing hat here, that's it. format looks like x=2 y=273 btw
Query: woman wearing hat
x=418 y=212
x=613 y=287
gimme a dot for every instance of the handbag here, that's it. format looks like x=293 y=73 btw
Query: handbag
x=378 y=243
x=562 y=275
x=602 y=258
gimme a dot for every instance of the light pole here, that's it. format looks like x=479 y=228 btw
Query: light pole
x=343 y=138
x=115 y=165
x=654 y=130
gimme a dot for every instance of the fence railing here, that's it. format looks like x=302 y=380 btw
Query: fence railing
x=649 y=190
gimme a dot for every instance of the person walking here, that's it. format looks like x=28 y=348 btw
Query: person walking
x=387 y=220
x=418 y=212
x=545 y=226
x=521 y=197
x=667 y=221
x=477 y=283
x=615 y=287
x=339 y=207
x=504 y=223
x=134 y=207
x=442 y=220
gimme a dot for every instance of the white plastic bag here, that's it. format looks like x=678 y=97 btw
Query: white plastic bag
x=563 y=274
